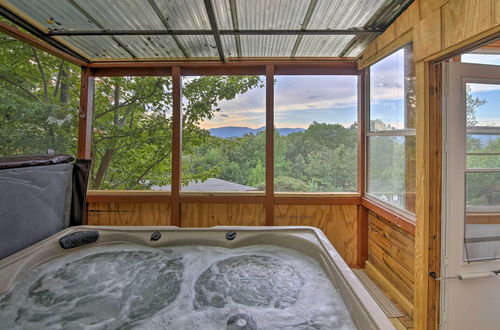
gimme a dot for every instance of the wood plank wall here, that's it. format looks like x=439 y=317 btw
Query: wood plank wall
x=439 y=29
x=436 y=28
x=391 y=258
x=338 y=222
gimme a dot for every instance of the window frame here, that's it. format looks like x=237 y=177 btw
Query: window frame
x=400 y=132
x=479 y=130
x=359 y=131
x=266 y=69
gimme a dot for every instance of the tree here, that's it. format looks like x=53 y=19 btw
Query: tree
x=481 y=188
x=471 y=105
x=38 y=101
x=132 y=116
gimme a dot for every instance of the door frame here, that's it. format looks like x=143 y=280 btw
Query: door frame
x=456 y=81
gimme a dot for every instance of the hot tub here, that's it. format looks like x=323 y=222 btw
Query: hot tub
x=245 y=241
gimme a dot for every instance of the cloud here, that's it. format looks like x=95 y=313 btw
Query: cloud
x=492 y=59
x=477 y=88
x=315 y=92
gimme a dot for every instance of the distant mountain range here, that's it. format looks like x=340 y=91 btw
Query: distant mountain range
x=235 y=131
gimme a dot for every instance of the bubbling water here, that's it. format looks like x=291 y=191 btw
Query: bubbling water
x=190 y=287
x=250 y=280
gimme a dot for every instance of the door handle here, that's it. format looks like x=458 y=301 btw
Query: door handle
x=465 y=276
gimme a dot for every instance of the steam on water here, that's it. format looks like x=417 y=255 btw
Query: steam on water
x=192 y=287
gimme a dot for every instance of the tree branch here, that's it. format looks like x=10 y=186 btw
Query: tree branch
x=42 y=74
x=20 y=87
x=58 y=80
x=149 y=168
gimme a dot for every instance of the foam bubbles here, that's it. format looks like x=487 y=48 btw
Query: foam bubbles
x=189 y=287
x=250 y=280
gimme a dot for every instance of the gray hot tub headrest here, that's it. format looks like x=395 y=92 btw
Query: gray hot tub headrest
x=35 y=203
x=38 y=198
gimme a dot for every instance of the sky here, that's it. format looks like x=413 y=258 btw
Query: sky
x=300 y=100
x=489 y=113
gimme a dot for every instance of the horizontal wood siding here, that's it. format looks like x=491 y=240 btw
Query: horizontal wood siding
x=391 y=260
x=128 y=214
x=338 y=222
x=209 y=215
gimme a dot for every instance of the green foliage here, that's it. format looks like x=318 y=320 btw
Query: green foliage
x=481 y=188
x=38 y=101
x=132 y=133
x=320 y=159
x=133 y=125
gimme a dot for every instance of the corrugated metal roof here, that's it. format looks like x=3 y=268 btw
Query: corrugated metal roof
x=260 y=46
x=184 y=14
x=262 y=14
x=97 y=46
x=343 y=14
x=194 y=37
x=151 y=46
x=122 y=14
x=199 y=46
x=53 y=14
x=323 y=46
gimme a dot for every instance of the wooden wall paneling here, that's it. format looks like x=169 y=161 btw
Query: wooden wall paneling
x=389 y=48
x=369 y=53
x=269 y=145
x=428 y=6
x=392 y=270
x=362 y=247
x=86 y=109
x=381 y=229
x=338 y=222
x=387 y=37
x=444 y=28
x=409 y=18
x=208 y=215
x=495 y=12
x=176 y=146
x=427 y=36
x=391 y=260
x=401 y=222
x=127 y=196
x=389 y=288
x=463 y=19
x=128 y=214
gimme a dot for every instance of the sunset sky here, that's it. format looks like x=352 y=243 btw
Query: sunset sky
x=300 y=100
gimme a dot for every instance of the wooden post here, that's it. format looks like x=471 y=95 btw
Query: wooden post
x=428 y=202
x=362 y=236
x=176 y=146
x=269 y=145
x=86 y=110
x=410 y=143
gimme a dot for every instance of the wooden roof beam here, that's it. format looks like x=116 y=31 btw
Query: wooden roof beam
x=40 y=44
x=215 y=30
